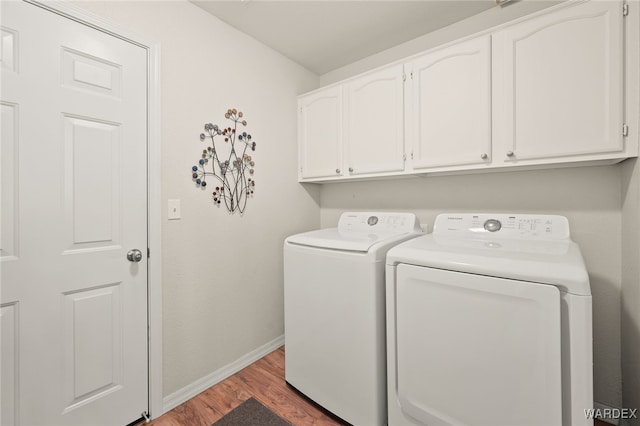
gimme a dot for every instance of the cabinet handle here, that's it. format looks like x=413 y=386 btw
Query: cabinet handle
x=351 y=169
x=510 y=154
x=484 y=156
x=338 y=171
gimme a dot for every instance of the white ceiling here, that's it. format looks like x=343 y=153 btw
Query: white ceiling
x=323 y=35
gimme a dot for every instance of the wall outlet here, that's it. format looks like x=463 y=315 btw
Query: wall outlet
x=174 y=209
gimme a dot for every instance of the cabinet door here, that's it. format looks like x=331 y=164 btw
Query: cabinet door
x=320 y=133
x=451 y=105
x=559 y=83
x=375 y=122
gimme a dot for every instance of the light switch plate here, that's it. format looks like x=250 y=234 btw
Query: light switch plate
x=174 y=209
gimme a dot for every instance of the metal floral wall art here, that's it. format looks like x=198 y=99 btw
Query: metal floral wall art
x=226 y=160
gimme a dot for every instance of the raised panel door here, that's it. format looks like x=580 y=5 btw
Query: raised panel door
x=74 y=201
x=375 y=122
x=320 y=134
x=559 y=84
x=450 y=108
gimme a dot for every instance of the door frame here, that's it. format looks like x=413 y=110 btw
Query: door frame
x=154 y=194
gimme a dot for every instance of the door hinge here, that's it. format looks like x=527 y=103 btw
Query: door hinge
x=412 y=155
x=411 y=75
x=148 y=252
x=146 y=417
x=625 y=9
x=625 y=130
x=404 y=157
x=404 y=77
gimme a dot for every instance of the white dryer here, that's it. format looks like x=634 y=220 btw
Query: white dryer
x=334 y=289
x=489 y=323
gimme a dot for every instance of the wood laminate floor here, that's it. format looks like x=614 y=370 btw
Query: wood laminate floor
x=263 y=380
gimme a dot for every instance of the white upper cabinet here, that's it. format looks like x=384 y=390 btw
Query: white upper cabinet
x=374 y=122
x=320 y=134
x=449 y=105
x=547 y=90
x=558 y=82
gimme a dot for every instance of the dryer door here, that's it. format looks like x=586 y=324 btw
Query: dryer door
x=479 y=350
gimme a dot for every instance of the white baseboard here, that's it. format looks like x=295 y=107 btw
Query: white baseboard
x=171 y=401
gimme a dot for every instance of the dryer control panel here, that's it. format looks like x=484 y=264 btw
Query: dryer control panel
x=499 y=225
x=378 y=223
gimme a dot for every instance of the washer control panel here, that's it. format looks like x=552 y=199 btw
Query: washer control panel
x=513 y=226
x=372 y=222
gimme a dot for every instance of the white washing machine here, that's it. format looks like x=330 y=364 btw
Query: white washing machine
x=489 y=323
x=334 y=289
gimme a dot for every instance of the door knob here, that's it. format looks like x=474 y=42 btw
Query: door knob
x=134 y=255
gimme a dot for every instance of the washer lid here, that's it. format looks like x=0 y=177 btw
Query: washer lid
x=549 y=257
x=360 y=231
x=333 y=239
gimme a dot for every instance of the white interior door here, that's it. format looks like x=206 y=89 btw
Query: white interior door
x=74 y=202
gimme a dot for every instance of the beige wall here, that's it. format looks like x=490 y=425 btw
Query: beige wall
x=630 y=320
x=469 y=26
x=630 y=309
x=630 y=313
x=222 y=274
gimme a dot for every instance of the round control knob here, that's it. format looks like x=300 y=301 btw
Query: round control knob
x=351 y=169
x=337 y=171
x=492 y=225
x=484 y=156
x=510 y=154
